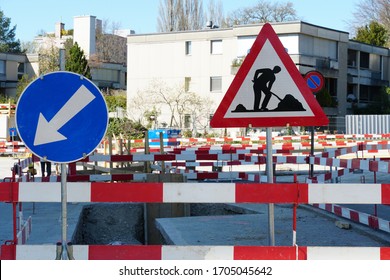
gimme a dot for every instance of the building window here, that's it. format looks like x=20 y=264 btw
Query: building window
x=187 y=121
x=352 y=56
x=2 y=67
x=216 y=84
x=20 y=70
x=364 y=60
x=216 y=47
x=187 y=82
x=188 y=47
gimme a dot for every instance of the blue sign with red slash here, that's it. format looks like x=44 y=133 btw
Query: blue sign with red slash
x=315 y=81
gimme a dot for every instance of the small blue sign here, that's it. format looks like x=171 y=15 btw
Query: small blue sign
x=61 y=116
x=167 y=134
x=12 y=131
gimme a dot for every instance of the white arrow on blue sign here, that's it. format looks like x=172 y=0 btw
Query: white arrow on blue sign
x=61 y=116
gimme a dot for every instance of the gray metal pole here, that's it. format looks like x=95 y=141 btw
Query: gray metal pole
x=270 y=179
x=64 y=210
x=311 y=166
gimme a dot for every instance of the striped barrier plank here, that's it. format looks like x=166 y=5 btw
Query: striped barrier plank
x=356 y=216
x=90 y=178
x=142 y=177
x=321 y=178
x=170 y=252
x=198 y=192
x=351 y=137
x=12 y=147
x=356 y=163
x=236 y=158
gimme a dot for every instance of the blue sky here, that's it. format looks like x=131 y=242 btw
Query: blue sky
x=33 y=16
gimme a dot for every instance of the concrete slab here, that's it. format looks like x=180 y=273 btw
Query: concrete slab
x=313 y=229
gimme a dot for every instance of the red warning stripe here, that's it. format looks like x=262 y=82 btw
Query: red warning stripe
x=134 y=192
x=272 y=193
x=125 y=252
x=270 y=253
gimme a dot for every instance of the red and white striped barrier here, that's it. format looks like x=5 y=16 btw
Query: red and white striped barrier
x=234 y=159
x=302 y=142
x=321 y=178
x=231 y=175
x=356 y=216
x=12 y=147
x=140 y=177
x=164 y=252
x=26 y=162
x=198 y=192
x=289 y=142
x=356 y=163
x=332 y=137
x=242 y=149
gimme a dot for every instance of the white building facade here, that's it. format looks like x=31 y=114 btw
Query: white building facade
x=202 y=62
x=85 y=28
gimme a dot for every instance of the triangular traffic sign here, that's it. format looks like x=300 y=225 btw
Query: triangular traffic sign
x=268 y=90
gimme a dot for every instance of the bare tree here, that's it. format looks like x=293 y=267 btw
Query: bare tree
x=372 y=10
x=179 y=15
x=263 y=11
x=215 y=13
x=30 y=46
x=173 y=99
x=192 y=14
x=200 y=110
x=49 y=58
x=166 y=21
x=110 y=47
x=284 y=12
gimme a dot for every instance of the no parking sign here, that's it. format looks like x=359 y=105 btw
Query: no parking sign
x=315 y=81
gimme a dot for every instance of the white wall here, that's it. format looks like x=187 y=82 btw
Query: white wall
x=85 y=34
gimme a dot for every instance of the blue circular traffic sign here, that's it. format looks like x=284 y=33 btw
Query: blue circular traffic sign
x=61 y=116
x=315 y=81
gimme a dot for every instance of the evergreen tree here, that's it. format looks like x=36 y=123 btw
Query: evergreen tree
x=373 y=34
x=8 y=43
x=76 y=61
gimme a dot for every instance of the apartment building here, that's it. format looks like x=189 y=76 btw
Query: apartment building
x=105 y=74
x=12 y=68
x=203 y=62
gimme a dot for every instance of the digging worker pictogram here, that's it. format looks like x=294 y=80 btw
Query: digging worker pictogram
x=262 y=82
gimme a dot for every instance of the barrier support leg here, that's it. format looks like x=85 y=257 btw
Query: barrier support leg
x=69 y=250
x=58 y=251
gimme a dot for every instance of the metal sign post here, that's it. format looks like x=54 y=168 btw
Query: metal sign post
x=315 y=82
x=53 y=113
x=64 y=211
x=270 y=179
